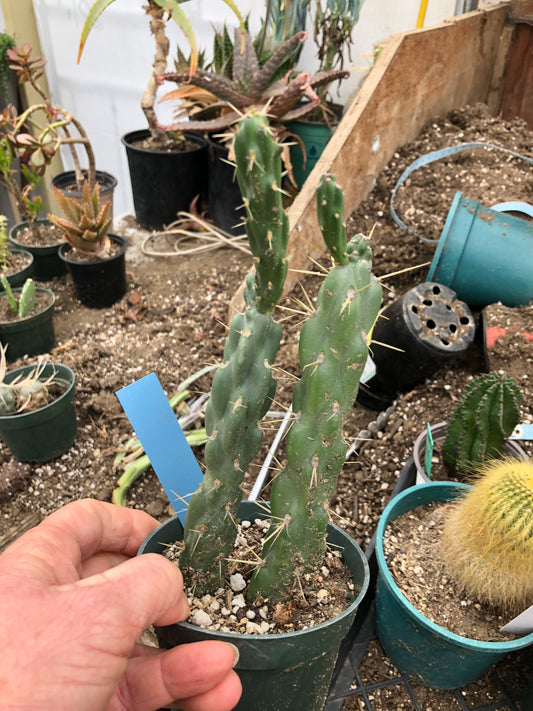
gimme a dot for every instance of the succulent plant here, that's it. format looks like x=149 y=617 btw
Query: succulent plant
x=484 y=418
x=26 y=301
x=28 y=392
x=251 y=86
x=333 y=349
x=487 y=542
x=87 y=222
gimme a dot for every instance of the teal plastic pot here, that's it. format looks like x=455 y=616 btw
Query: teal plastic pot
x=31 y=335
x=46 y=261
x=279 y=672
x=43 y=434
x=425 y=652
x=315 y=136
x=484 y=255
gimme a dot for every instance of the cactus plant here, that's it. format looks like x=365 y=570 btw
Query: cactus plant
x=483 y=419
x=26 y=393
x=333 y=350
x=26 y=301
x=88 y=223
x=487 y=542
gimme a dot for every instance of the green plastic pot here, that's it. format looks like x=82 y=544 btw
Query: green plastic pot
x=18 y=278
x=31 y=335
x=43 y=434
x=425 y=652
x=46 y=261
x=279 y=672
x=315 y=136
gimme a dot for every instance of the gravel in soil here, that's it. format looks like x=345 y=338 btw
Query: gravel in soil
x=173 y=322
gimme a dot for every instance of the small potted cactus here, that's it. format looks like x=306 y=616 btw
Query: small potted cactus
x=16 y=264
x=37 y=412
x=291 y=669
x=95 y=259
x=26 y=319
x=478 y=430
x=486 y=545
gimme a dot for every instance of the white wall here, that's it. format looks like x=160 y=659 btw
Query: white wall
x=104 y=91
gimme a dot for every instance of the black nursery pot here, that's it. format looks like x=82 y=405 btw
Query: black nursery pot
x=165 y=182
x=101 y=282
x=224 y=196
x=416 y=335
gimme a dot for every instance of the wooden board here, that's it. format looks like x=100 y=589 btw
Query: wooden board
x=419 y=75
x=517 y=99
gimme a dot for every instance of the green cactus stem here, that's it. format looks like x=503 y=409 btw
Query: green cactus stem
x=487 y=543
x=484 y=418
x=332 y=352
x=243 y=388
x=27 y=297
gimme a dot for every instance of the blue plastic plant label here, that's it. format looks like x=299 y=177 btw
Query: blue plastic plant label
x=159 y=432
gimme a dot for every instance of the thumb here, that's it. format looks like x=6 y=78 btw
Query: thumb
x=144 y=590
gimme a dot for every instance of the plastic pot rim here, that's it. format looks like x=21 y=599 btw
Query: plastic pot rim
x=66 y=247
x=127 y=138
x=229 y=636
x=38 y=289
x=452 y=637
x=21 y=225
x=66 y=371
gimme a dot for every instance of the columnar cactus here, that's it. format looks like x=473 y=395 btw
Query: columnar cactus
x=27 y=297
x=333 y=351
x=488 y=537
x=483 y=419
x=243 y=387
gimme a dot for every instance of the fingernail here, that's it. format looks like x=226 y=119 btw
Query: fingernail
x=236 y=654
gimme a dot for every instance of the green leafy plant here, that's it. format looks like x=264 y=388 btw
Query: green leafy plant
x=6 y=42
x=159 y=13
x=487 y=542
x=33 y=138
x=5 y=252
x=483 y=419
x=87 y=222
x=26 y=301
x=333 y=351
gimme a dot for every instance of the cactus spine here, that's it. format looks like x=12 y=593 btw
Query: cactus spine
x=243 y=387
x=332 y=352
x=487 y=542
x=483 y=419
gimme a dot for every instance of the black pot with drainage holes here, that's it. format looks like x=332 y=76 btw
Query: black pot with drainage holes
x=413 y=337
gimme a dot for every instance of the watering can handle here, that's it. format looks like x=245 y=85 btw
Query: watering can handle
x=431 y=158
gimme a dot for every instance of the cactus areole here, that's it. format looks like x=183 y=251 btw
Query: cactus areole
x=333 y=350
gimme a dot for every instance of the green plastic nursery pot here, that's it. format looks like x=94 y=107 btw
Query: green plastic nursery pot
x=484 y=255
x=279 y=672
x=315 y=136
x=422 y=650
x=18 y=278
x=46 y=261
x=31 y=335
x=43 y=434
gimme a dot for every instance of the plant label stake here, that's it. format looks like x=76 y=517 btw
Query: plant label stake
x=428 y=457
x=521 y=624
x=159 y=432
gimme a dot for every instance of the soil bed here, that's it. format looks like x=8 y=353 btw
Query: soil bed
x=172 y=322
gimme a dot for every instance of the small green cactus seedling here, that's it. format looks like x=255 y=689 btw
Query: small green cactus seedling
x=87 y=222
x=484 y=418
x=26 y=302
x=487 y=542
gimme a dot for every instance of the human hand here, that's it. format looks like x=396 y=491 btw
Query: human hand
x=74 y=598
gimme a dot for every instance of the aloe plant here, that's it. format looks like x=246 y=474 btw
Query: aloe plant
x=159 y=12
x=487 y=542
x=87 y=221
x=251 y=85
x=333 y=349
x=483 y=419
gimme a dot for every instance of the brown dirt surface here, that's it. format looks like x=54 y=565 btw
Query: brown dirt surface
x=172 y=322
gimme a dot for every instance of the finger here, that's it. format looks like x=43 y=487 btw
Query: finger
x=143 y=591
x=100 y=562
x=74 y=533
x=197 y=675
